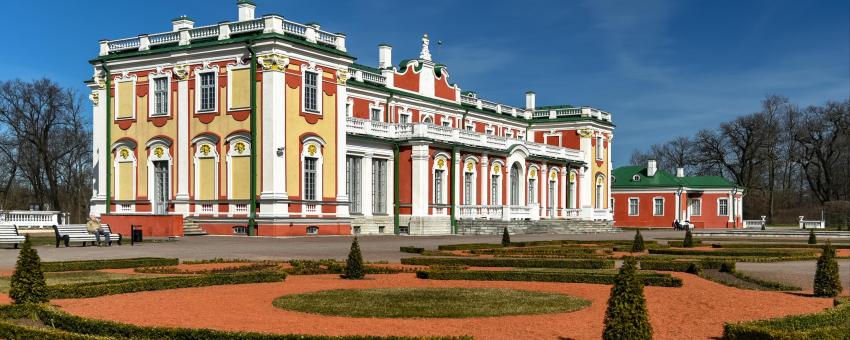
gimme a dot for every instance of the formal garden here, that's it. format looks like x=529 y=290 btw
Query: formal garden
x=635 y=289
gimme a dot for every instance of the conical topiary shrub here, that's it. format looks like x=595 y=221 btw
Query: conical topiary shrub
x=688 y=242
x=354 y=264
x=627 y=317
x=812 y=238
x=27 y=285
x=506 y=238
x=637 y=245
x=827 y=280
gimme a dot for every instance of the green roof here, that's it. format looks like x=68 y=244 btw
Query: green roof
x=624 y=178
x=365 y=68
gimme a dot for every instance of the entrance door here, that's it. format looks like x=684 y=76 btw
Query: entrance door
x=160 y=187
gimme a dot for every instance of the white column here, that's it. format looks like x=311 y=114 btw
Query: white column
x=485 y=179
x=678 y=199
x=182 y=147
x=544 y=190
x=390 y=187
x=421 y=179
x=273 y=193
x=342 y=150
x=99 y=151
x=456 y=173
x=730 y=208
x=366 y=180
x=586 y=184
x=564 y=187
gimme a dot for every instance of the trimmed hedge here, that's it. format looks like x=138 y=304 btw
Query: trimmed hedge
x=737 y=252
x=88 y=290
x=753 y=259
x=681 y=244
x=412 y=250
x=775 y=245
x=511 y=262
x=693 y=267
x=82 y=328
x=331 y=266
x=67 y=266
x=471 y=246
x=832 y=324
x=253 y=267
x=543 y=251
x=653 y=279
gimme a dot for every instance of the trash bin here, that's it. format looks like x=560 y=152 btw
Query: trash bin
x=136 y=232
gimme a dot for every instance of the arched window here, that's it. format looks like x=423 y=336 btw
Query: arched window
x=311 y=169
x=515 y=175
x=552 y=202
x=469 y=180
x=206 y=168
x=124 y=166
x=238 y=169
x=159 y=174
x=428 y=120
x=532 y=185
x=600 y=192
x=572 y=191
x=496 y=184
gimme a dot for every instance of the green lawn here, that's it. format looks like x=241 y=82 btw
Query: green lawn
x=73 y=277
x=429 y=302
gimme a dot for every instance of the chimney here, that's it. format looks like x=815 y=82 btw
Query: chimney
x=182 y=22
x=651 y=168
x=680 y=172
x=530 y=99
x=385 y=56
x=246 y=9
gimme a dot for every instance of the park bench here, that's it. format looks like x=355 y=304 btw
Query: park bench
x=112 y=235
x=9 y=234
x=68 y=233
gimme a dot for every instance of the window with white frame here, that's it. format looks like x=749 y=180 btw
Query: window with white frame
x=379 y=186
x=404 y=118
x=468 y=181
x=310 y=178
x=658 y=206
x=428 y=120
x=599 y=148
x=352 y=184
x=160 y=96
x=470 y=127
x=208 y=91
x=446 y=122
x=723 y=207
x=696 y=206
x=494 y=190
x=532 y=191
x=634 y=206
x=489 y=130
x=438 y=186
x=600 y=192
x=509 y=134
x=375 y=114
x=311 y=91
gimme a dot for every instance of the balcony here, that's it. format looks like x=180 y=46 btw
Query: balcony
x=403 y=132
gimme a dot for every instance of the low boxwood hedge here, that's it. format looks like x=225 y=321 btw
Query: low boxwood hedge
x=88 y=290
x=693 y=267
x=832 y=324
x=66 y=266
x=653 y=279
x=737 y=252
x=73 y=327
x=511 y=262
x=472 y=246
x=776 y=245
x=412 y=250
x=544 y=251
x=680 y=244
x=251 y=267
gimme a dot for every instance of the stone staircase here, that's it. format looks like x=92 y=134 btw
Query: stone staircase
x=494 y=227
x=191 y=228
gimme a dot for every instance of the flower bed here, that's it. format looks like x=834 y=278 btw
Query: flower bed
x=511 y=262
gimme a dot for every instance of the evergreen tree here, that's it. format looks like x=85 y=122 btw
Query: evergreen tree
x=688 y=242
x=354 y=264
x=637 y=245
x=506 y=238
x=827 y=280
x=812 y=238
x=28 y=285
x=626 y=316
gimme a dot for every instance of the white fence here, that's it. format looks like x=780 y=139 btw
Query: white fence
x=33 y=219
x=499 y=212
x=755 y=224
x=811 y=224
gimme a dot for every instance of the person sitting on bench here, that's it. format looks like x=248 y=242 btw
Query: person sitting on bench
x=677 y=225
x=104 y=232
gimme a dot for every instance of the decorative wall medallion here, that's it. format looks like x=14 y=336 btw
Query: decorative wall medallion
x=572 y=177
x=469 y=166
x=124 y=153
x=311 y=149
x=532 y=173
x=158 y=152
x=440 y=163
x=240 y=147
x=273 y=62
x=101 y=82
x=181 y=71
x=205 y=149
x=496 y=168
x=553 y=175
x=585 y=133
x=94 y=97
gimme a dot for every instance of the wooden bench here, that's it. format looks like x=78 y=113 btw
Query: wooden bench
x=68 y=233
x=9 y=234
x=112 y=235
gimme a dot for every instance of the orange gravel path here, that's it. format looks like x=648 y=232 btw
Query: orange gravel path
x=4 y=299
x=695 y=311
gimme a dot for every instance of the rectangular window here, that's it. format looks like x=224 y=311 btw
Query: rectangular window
x=494 y=190
x=404 y=119
x=532 y=192
x=658 y=205
x=352 y=184
x=599 y=148
x=696 y=207
x=446 y=122
x=310 y=179
x=509 y=134
x=438 y=187
x=376 y=115
x=467 y=188
x=207 y=91
x=311 y=91
x=160 y=96
x=470 y=127
x=634 y=206
x=723 y=207
x=379 y=186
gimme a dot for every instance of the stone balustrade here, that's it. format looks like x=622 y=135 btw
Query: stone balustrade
x=33 y=219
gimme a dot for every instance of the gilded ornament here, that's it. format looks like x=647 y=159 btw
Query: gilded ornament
x=552 y=175
x=94 y=97
x=240 y=147
x=585 y=133
x=532 y=173
x=273 y=62
x=469 y=166
x=205 y=149
x=311 y=149
x=440 y=163
x=342 y=76
x=158 y=152
x=496 y=168
x=124 y=153
x=572 y=177
x=181 y=71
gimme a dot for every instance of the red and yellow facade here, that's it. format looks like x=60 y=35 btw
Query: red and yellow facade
x=268 y=127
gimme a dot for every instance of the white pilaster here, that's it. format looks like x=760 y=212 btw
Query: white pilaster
x=390 y=187
x=585 y=181
x=730 y=208
x=544 y=191
x=366 y=179
x=273 y=193
x=421 y=179
x=456 y=172
x=99 y=150
x=564 y=185
x=678 y=199
x=182 y=148
x=484 y=175
x=342 y=147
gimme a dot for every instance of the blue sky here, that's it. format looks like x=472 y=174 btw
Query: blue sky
x=662 y=67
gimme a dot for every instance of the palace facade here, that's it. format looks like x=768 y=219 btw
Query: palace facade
x=266 y=126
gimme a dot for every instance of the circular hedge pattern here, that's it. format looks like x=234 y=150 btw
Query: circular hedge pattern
x=429 y=302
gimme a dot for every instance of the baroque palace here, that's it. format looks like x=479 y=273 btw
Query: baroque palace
x=264 y=126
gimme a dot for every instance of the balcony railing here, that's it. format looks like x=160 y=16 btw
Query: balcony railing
x=358 y=126
x=584 y=111
x=266 y=24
